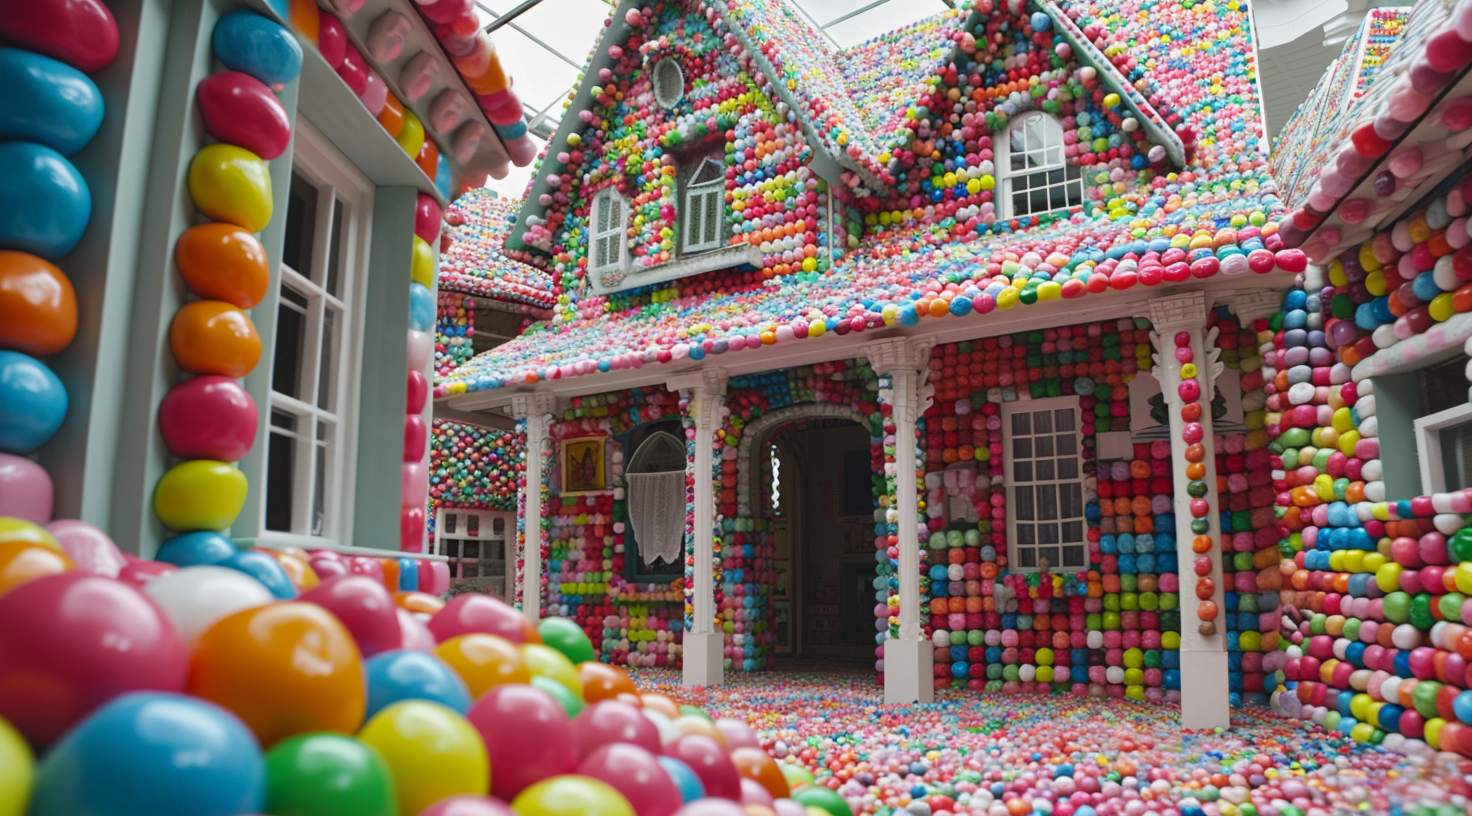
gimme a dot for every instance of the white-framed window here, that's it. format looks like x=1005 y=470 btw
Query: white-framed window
x=608 y=238
x=1045 y=485
x=1036 y=178
x=475 y=544
x=669 y=82
x=705 y=195
x=317 y=346
x=1443 y=427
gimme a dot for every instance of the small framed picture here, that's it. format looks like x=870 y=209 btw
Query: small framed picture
x=582 y=465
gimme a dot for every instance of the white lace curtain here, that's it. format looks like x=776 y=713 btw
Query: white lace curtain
x=657 y=511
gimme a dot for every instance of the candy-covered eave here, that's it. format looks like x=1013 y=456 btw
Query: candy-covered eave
x=476 y=262
x=902 y=277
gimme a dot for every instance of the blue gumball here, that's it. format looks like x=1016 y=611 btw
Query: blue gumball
x=421 y=307
x=50 y=102
x=442 y=176
x=408 y=575
x=249 y=43
x=263 y=568
x=689 y=784
x=196 y=549
x=32 y=402
x=152 y=755
x=44 y=202
x=1041 y=21
x=409 y=675
x=1462 y=707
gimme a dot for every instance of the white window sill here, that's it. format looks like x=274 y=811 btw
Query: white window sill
x=727 y=257
x=282 y=541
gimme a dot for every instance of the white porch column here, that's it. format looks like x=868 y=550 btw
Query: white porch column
x=910 y=658
x=1177 y=318
x=703 y=648
x=533 y=413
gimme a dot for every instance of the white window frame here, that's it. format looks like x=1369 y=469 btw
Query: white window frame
x=1038 y=162
x=1428 y=446
x=667 y=101
x=336 y=179
x=453 y=528
x=694 y=218
x=1014 y=562
x=618 y=230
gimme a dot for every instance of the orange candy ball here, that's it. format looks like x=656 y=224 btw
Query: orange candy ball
x=22 y=561
x=484 y=661
x=223 y=262
x=38 y=308
x=604 y=682
x=214 y=337
x=284 y=669
x=758 y=766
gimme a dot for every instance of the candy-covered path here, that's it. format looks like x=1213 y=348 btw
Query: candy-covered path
x=1014 y=755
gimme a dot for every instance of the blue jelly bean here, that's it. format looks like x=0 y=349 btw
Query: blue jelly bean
x=33 y=403
x=245 y=41
x=421 y=307
x=49 y=102
x=44 y=202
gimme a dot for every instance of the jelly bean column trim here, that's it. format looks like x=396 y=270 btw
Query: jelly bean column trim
x=22 y=434
x=228 y=183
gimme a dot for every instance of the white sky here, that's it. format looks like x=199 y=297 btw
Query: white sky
x=545 y=47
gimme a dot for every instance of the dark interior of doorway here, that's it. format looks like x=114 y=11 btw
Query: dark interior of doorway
x=832 y=534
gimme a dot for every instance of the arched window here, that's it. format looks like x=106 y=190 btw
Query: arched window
x=669 y=83
x=705 y=196
x=655 y=536
x=607 y=236
x=1036 y=178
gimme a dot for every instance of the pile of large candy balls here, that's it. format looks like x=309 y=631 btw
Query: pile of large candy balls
x=199 y=692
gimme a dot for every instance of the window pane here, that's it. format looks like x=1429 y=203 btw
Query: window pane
x=280 y=464
x=338 y=234
x=1048 y=534
x=1023 y=500
x=301 y=219
x=1029 y=558
x=1042 y=422
x=1047 y=502
x=1021 y=424
x=326 y=387
x=1456 y=456
x=1044 y=470
x=712 y=217
x=1063 y=419
x=1022 y=448
x=1073 y=531
x=1073 y=557
x=1071 y=500
x=1067 y=468
x=291 y=329
x=283 y=421
x=1043 y=446
x=1067 y=445
x=1027 y=534
x=1022 y=472
x=319 y=490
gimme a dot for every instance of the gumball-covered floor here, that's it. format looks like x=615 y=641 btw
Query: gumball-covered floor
x=1006 y=755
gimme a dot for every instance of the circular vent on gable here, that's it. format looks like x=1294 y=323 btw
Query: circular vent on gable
x=669 y=83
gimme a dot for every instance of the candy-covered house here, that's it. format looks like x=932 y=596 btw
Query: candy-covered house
x=1370 y=407
x=218 y=248
x=943 y=348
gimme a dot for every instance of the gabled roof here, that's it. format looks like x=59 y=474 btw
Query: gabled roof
x=854 y=102
x=476 y=264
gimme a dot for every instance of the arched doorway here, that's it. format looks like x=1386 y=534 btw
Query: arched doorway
x=811 y=474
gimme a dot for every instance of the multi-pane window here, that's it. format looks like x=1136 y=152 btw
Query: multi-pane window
x=669 y=83
x=1045 y=488
x=314 y=360
x=607 y=239
x=475 y=545
x=1444 y=428
x=1037 y=178
x=705 y=195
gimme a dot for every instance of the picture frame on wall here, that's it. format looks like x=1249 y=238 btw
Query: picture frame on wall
x=583 y=466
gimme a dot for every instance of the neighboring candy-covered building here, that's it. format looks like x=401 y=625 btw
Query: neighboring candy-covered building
x=1368 y=400
x=476 y=464
x=1028 y=249
x=218 y=249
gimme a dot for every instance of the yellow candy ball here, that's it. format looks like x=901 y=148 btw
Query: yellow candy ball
x=201 y=494
x=411 y=135
x=231 y=184
x=421 y=269
x=20 y=531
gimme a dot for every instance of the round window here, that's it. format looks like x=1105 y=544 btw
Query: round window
x=669 y=83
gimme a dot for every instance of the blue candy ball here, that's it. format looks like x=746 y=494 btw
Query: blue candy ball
x=196 y=549
x=249 y=43
x=409 y=675
x=685 y=779
x=421 y=307
x=263 y=568
x=50 y=102
x=33 y=402
x=45 y=203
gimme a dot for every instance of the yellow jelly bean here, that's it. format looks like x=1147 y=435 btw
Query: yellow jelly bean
x=1051 y=290
x=1368 y=261
x=544 y=661
x=20 y=531
x=1359 y=706
x=422 y=268
x=1372 y=561
x=1347 y=441
x=1375 y=283
x=1336 y=274
x=201 y=494
x=1387 y=577
x=1343 y=421
x=1340 y=560
x=1324 y=486
x=1433 y=732
x=411 y=135
x=1463 y=577
x=231 y=184
x=1362 y=732
x=1441 y=307
x=1007 y=298
x=17 y=771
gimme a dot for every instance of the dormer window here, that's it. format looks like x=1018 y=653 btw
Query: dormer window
x=607 y=239
x=705 y=193
x=669 y=83
x=1036 y=177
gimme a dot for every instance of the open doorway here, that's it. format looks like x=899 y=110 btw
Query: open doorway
x=823 y=531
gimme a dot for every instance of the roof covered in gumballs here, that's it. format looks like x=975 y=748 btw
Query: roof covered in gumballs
x=477 y=263
x=1183 y=77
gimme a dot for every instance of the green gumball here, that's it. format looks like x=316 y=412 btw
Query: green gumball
x=569 y=638
x=324 y=774
x=817 y=796
x=571 y=703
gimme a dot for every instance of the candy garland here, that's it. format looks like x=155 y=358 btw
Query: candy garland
x=225 y=265
x=454 y=332
x=1383 y=29
x=1377 y=588
x=45 y=209
x=415 y=467
x=990 y=755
